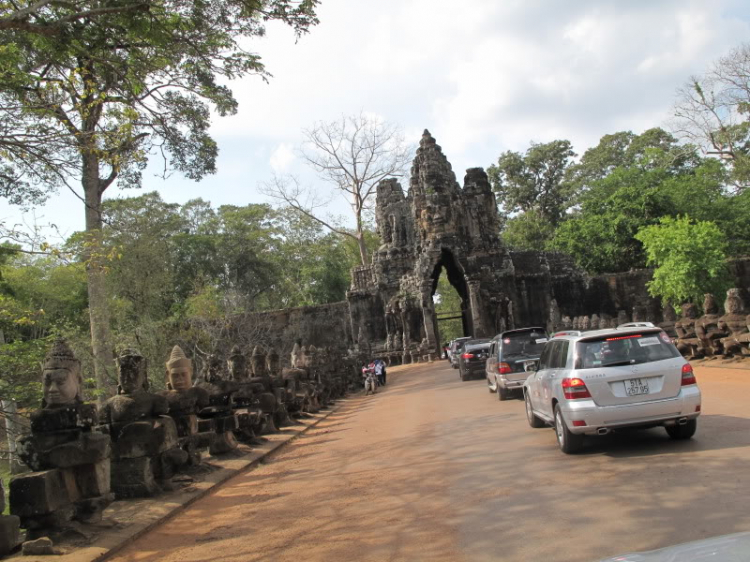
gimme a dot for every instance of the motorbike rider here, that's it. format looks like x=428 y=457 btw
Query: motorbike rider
x=379 y=366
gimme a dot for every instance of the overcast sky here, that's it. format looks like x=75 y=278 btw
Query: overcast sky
x=483 y=76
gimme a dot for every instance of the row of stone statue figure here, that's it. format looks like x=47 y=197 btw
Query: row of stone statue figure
x=83 y=457
x=711 y=334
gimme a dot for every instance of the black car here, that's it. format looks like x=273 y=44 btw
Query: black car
x=511 y=353
x=472 y=358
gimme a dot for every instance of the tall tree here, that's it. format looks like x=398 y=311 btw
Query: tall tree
x=534 y=180
x=353 y=154
x=712 y=111
x=89 y=89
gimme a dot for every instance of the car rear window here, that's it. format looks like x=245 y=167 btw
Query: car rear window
x=524 y=343
x=473 y=346
x=613 y=350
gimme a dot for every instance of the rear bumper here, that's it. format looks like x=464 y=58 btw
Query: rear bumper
x=659 y=412
x=504 y=382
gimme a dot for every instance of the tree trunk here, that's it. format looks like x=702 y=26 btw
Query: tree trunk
x=362 y=247
x=95 y=274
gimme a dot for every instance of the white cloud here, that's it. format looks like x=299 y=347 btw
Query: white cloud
x=483 y=77
x=282 y=158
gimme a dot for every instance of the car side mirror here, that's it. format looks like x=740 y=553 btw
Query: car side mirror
x=531 y=366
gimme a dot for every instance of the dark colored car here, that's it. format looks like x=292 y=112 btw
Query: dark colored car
x=510 y=354
x=472 y=359
x=456 y=347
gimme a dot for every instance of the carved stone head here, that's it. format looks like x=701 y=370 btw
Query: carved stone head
x=585 y=323
x=689 y=310
x=237 y=365
x=273 y=365
x=258 y=362
x=709 y=304
x=595 y=322
x=179 y=370
x=668 y=313
x=131 y=372
x=61 y=377
x=212 y=369
x=734 y=304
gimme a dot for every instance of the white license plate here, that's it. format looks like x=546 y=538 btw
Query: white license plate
x=634 y=387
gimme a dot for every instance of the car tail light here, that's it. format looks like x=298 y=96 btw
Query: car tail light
x=468 y=356
x=504 y=368
x=688 y=376
x=579 y=423
x=575 y=389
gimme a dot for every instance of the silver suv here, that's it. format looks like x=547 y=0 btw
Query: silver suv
x=594 y=382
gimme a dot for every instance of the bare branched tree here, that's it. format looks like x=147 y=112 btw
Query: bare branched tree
x=712 y=112
x=353 y=154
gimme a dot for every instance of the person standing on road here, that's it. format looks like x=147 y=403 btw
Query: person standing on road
x=380 y=371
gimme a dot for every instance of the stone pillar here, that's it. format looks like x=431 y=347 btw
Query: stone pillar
x=475 y=303
x=428 y=315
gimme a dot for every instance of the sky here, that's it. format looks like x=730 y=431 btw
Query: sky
x=483 y=76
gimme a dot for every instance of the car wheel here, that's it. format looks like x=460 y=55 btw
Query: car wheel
x=569 y=442
x=534 y=421
x=682 y=431
x=502 y=393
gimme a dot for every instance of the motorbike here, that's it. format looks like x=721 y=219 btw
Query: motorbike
x=370 y=381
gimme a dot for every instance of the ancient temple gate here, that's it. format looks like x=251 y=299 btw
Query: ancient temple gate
x=438 y=224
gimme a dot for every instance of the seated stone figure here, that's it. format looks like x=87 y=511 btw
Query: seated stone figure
x=145 y=443
x=707 y=327
x=246 y=401
x=669 y=319
x=734 y=323
x=70 y=459
x=295 y=378
x=273 y=398
x=220 y=409
x=687 y=341
x=284 y=394
x=185 y=401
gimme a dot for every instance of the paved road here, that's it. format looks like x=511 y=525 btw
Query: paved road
x=436 y=469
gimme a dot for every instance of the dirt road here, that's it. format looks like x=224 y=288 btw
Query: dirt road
x=437 y=469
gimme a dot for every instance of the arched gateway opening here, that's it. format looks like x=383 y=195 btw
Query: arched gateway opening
x=450 y=299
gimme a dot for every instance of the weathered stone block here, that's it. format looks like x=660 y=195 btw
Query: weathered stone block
x=146 y=438
x=10 y=536
x=133 y=478
x=206 y=426
x=90 y=448
x=42 y=546
x=186 y=425
x=222 y=443
x=228 y=423
x=38 y=493
x=94 y=479
x=56 y=419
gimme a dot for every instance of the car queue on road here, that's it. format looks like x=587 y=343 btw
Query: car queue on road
x=588 y=383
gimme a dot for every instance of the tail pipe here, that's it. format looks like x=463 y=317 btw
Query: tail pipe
x=603 y=431
x=682 y=421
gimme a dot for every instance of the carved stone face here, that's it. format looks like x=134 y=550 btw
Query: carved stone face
x=689 y=310
x=212 y=369
x=61 y=387
x=180 y=377
x=733 y=304
x=131 y=373
x=237 y=367
x=709 y=304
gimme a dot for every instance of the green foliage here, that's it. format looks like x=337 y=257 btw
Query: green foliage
x=534 y=181
x=600 y=233
x=528 y=231
x=689 y=257
x=89 y=89
x=447 y=299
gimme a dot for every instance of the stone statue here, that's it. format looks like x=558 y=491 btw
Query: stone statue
x=185 y=401
x=555 y=319
x=69 y=457
x=734 y=323
x=687 y=341
x=145 y=442
x=595 y=322
x=585 y=323
x=219 y=414
x=707 y=327
x=622 y=317
x=669 y=318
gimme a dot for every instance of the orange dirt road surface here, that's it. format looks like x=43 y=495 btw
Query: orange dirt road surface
x=435 y=469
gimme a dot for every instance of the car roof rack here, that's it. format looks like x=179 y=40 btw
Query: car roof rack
x=637 y=325
x=567 y=333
